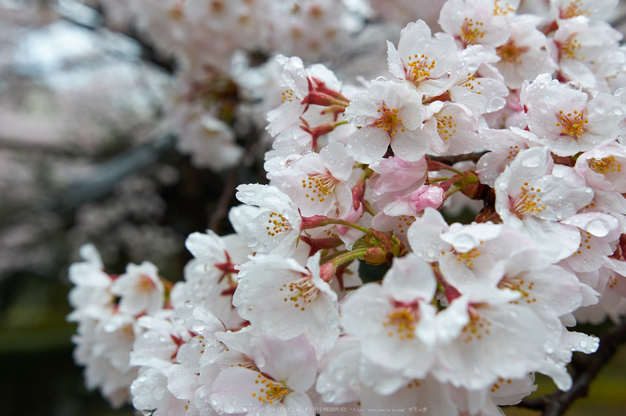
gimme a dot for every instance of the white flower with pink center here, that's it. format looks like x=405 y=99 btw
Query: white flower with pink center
x=604 y=167
x=397 y=326
x=525 y=55
x=388 y=113
x=564 y=120
x=504 y=145
x=276 y=227
x=301 y=84
x=592 y=9
x=476 y=249
x=599 y=233
x=454 y=128
x=532 y=195
x=423 y=60
x=140 y=289
x=477 y=85
x=478 y=22
x=283 y=299
x=318 y=182
x=484 y=336
x=210 y=277
x=285 y=371
x=580 y=44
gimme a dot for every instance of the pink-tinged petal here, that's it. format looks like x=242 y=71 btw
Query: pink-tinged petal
x=424 y=235
x=181 y=382
x=292 y=362
x=235 y=391
x=410 y=278
x=299 y=404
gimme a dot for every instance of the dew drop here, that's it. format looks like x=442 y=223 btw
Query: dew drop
x=598 y=228
x=198 y=326
x=618 y=111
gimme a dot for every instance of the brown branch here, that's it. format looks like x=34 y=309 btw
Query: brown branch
x=223 y=204
x=451 y=160
x=586 y=368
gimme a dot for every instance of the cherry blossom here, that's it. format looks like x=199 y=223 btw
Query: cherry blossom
x=140 y=289
x=388 y=113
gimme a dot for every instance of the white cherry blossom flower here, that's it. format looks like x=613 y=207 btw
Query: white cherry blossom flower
x=276 y=228
x=283 y=299
x=580 y=44
x=504 y=145
x=285 y=371
x=423 y=60
x=140 y=289
x=388 y=113
x=525 y=55
x=477 y=85
x=592 y=9
x=396 y=328
x=318 y=183
x=91 y=285
x=602 y=167
x=210 y=278
x=532 y=196
x=495 y=339
x=478 y=22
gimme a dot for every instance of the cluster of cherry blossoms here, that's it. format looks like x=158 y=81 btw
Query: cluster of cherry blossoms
x=518 y=113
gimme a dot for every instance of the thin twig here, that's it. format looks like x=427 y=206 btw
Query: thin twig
x=451 y=160
x=223 y=204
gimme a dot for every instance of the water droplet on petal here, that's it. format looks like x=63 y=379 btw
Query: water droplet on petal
x=198 y=326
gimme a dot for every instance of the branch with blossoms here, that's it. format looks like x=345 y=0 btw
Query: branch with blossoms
x=510 y=111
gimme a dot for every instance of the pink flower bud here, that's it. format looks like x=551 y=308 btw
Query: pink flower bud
x=427 y=196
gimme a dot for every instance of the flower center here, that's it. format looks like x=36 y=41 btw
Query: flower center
x=496 y=386
x=502 y=10
x=519 y=285
x=420 y=67
x=572 y=124
x=527 y=202
x=269 y=391
x=277 y=224
x=446 y=126
x=402 y=321
x=513 y=151
x=144 y=284
x=605 y=165
x=287 y=96
x=300 y=292
x=468 y=257
x=319 y=186
x=584 y=242
x=470 y=31
x=573 y=9
x=388 y=120
x=570 y=49
x=476 y=328
x=403 y=221
x=510 y=52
